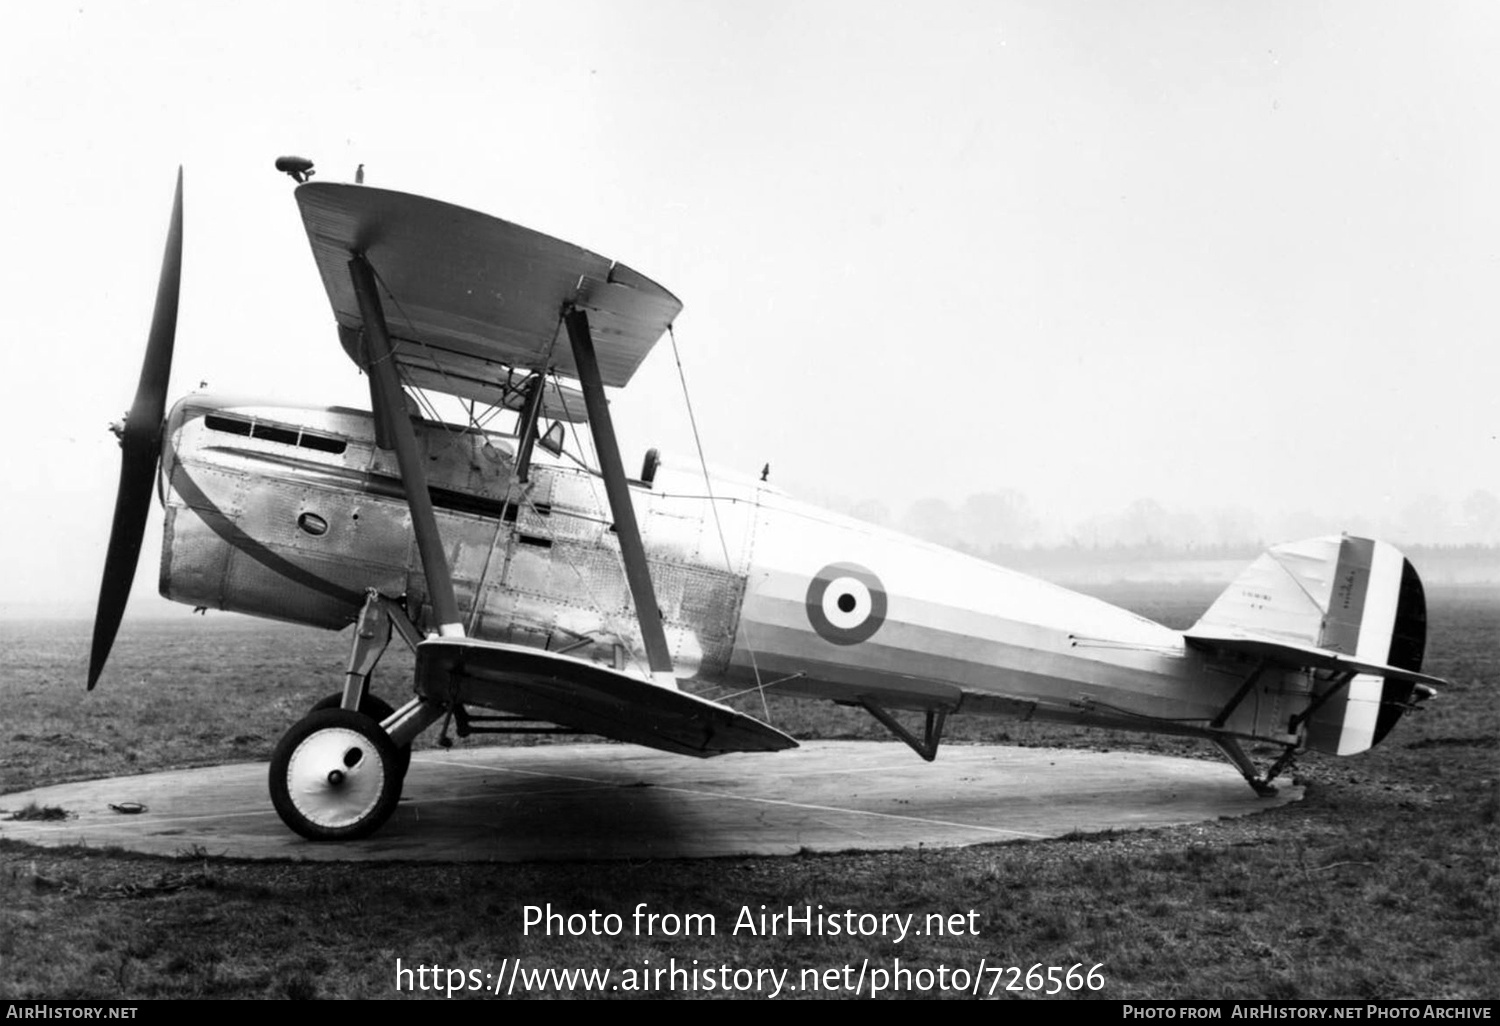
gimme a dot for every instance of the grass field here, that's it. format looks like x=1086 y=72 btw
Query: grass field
x=1384 y=882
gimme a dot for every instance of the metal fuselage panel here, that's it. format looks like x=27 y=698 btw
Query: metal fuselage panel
x=258 y=523
x=949 y=630
x=292 y=513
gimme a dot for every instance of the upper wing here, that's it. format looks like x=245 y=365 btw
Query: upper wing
x=575 y=693
x=468 y=297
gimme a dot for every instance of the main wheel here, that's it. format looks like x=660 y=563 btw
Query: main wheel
x=374 y=707
x=335 y=776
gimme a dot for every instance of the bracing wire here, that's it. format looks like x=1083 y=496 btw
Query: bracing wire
x=435 y=355
x=396 y=344
x=713 y=505
x=476 y=423
x=590 y=474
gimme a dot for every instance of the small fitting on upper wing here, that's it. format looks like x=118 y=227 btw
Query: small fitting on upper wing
x=300 y=168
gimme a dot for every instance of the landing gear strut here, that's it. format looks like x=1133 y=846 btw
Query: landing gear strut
x=337 y=773
x=932 y=734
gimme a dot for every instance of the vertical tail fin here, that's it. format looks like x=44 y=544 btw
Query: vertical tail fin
x=1331 y=602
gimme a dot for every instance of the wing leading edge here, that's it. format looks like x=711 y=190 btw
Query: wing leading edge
x=469 y=297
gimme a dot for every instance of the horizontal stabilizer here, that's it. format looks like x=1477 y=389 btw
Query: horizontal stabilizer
x=1299 y=657
x=1339 y=604
x=575 y=693
x=468 y=296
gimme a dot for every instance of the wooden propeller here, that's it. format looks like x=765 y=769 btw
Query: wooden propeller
x=140 y=444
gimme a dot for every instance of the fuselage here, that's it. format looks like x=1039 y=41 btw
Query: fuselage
x=294 y=513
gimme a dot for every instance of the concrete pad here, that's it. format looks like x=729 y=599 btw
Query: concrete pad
x=602 y=801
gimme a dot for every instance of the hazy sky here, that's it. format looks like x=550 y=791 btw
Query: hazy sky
x=1212 y=254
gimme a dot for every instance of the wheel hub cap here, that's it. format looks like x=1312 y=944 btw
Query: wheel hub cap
x=335 y=777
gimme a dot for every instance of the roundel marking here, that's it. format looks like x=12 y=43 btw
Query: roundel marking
x=845 y=603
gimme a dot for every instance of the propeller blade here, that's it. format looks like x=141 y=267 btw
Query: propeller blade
x=140 y=444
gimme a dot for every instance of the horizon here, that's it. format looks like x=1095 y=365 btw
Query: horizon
x=1232 y=261
x=1073 y=565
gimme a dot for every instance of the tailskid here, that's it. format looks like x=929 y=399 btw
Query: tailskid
x=1261 y=782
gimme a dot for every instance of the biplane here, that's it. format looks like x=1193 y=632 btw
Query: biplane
x=542 y=588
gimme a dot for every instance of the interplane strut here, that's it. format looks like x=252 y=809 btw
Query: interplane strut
x=390 y=409
x=618 y=490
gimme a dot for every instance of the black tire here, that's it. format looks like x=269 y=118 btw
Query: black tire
x=372 y=706
x=334 y=776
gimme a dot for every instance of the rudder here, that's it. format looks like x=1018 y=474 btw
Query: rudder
x=1342 y=597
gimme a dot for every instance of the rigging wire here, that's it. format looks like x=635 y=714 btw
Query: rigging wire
x=713 y=506
x=435 y=355
x=769 y=684
x=591 y=475
x=524 y=496
x=396 y=344
x=426 y=404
